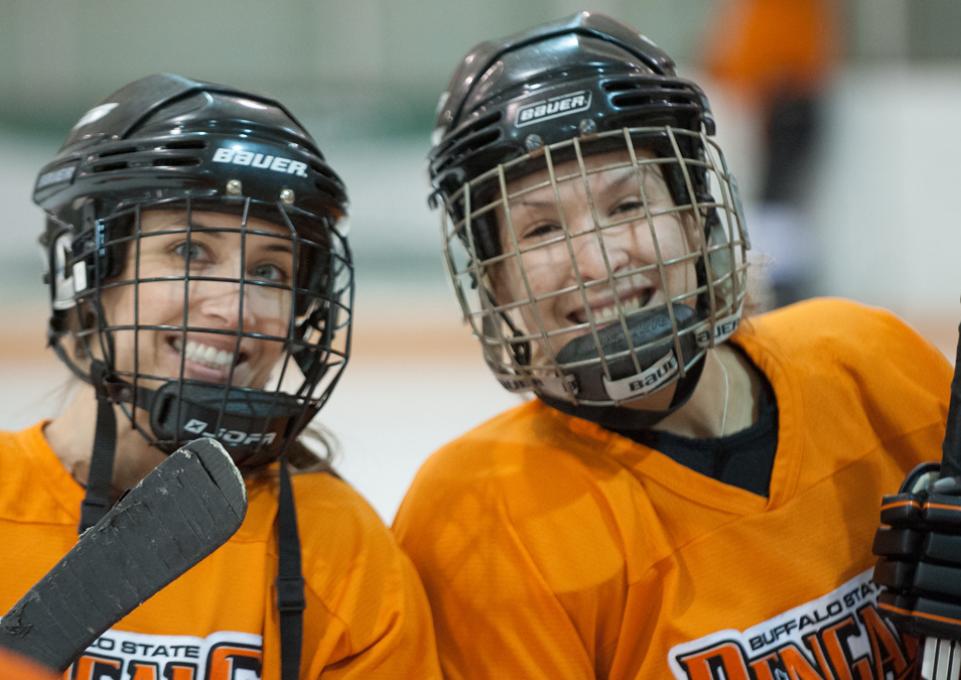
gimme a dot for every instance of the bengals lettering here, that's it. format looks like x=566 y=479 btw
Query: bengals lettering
x=225 y=661
x=823 y=654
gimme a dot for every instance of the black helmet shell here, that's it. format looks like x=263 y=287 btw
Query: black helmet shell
x=166 y=136
x=586 y=73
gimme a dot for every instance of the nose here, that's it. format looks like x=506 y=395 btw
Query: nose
x=598 y=254
x=220 y=304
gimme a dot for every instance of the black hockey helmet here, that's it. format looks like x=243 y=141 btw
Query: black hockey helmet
x=166 y=142
x=563 y=91
x=584 y=74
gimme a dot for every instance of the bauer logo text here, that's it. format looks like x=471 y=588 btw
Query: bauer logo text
x=264 y=161
x=554 y=107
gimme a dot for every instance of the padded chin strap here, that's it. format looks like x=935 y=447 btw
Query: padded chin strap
x=97 y=500
x=621 y=418
x=252 y=427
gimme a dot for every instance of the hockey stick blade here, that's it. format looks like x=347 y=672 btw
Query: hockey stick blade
x=186 y=508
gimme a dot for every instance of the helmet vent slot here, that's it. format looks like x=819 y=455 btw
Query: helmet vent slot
x=185 y=144
x=632 y=99
x=107 y=167
x=175 y=161
x=117 y=152
x=475 y=142
x=482 y=122
x=324 y=171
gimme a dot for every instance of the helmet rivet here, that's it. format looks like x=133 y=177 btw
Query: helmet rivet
x=587 y=126
x=533 y=142
x=234 y=187
x=287 y=196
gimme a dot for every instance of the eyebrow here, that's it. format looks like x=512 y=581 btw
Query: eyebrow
x=278 y=244
x=278 y=248
x=537 y=204
x=625 y=176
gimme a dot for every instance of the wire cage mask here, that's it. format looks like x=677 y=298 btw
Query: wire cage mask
x=599 y=270
x=207 y=317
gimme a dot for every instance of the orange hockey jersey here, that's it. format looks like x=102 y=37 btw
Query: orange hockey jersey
x=552 y=548
x=366 y=614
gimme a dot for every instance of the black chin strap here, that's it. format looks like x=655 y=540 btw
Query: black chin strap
x=97 y=500
x=290 y=580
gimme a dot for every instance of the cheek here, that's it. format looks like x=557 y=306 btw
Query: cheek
x=547 y=269
x=668 y=231
x=268 y=311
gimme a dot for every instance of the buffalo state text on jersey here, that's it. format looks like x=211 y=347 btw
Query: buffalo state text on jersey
x=838 y=636
x=118 y=655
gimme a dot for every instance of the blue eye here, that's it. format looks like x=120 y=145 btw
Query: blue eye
x=269 y=272
x=191 y=252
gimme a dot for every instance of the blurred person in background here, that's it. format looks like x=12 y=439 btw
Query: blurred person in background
x=777 y=57
x=201 y=284
x=690 y=494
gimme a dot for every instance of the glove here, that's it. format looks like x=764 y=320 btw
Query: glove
x=919 y=551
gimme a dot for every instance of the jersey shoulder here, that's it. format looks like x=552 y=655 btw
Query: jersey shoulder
x=27 y=462
x=337 y=524
x=365 y=586
x=842 y=357
x=506 y=450
x=834 y=328
x=529 y=483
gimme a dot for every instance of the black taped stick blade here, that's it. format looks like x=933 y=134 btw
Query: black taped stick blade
x=186 y=508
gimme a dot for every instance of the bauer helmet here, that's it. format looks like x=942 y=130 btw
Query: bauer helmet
x=178 y=146
x=546 y=115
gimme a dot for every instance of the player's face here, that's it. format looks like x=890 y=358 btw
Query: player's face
x=214 y=310
x=588 y=244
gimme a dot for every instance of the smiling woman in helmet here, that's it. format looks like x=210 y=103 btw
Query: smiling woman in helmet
x=201 y=284
x=687 y=495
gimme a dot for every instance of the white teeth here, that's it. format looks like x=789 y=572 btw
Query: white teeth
x=207 y=355
x=609 y=312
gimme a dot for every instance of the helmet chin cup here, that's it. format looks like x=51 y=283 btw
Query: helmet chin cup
x=250 y=424
x=622 y=367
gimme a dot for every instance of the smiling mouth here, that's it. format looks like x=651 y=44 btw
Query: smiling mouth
x=602 y=314
x=207 y=355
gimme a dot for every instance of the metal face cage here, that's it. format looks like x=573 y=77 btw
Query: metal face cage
x=210 y=317
x=600 y=269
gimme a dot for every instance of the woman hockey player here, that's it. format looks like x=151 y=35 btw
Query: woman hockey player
x=201 y=285
x=689 y=494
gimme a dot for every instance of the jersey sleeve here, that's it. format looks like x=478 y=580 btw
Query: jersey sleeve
x=897 y=378
x=367 y=616
x=518 y=588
